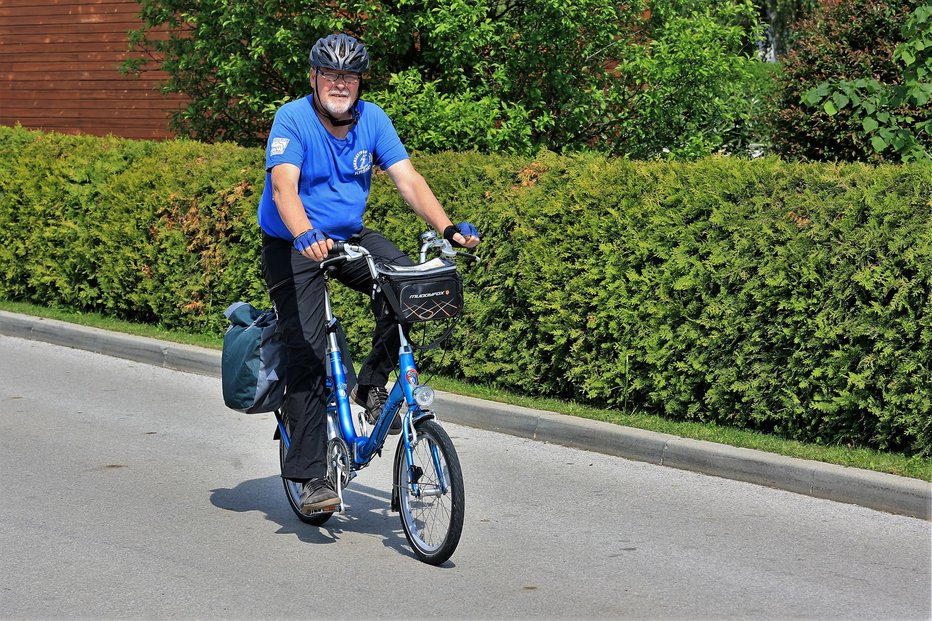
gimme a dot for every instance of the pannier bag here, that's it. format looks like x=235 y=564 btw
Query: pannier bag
x=430 y=291
x=254 y=359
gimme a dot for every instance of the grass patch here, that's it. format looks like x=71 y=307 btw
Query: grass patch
x=893 y=463
x=96 y=320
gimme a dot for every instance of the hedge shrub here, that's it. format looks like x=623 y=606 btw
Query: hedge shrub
x=144 y=231
x=790 y=298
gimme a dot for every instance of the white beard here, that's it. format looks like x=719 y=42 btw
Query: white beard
x=338 y=108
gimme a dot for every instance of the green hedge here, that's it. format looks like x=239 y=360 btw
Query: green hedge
x=783 y=297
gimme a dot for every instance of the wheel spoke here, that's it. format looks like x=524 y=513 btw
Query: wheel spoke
x=433 y=518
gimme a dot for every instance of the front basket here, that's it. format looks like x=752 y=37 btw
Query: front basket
x=431 y=291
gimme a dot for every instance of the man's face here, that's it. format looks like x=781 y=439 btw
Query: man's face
x=337 y=90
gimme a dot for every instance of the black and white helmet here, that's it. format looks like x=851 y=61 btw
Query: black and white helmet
x=340 y=52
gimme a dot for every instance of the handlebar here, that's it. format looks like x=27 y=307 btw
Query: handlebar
x=347 y=252
x=430 y=241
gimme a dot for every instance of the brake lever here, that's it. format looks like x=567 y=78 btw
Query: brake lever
x=326 y=264
x=476 y=258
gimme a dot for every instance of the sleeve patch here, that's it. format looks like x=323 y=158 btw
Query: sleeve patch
x=278 y=146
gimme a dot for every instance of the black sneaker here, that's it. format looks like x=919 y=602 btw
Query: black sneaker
x=317 y=495
x=373 y=398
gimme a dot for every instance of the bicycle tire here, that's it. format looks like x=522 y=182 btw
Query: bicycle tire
x=293 y=492
x=433 y=522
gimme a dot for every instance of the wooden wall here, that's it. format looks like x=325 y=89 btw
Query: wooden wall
x=59 y=70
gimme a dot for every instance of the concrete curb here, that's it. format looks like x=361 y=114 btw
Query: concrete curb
x=883 y=492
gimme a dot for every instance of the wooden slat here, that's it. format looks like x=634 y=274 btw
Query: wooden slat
x=80 y=101
x=43 y=10
x=46 y=38
x=88 y=108
x=108 y=113
x=68 y=31
x=151 y=80
x=76 y=104
x=67 y=28
x=70 y=85
x=92 y=61
x=152 y=120
x=71 y=74
x=115 y=92
x=62 y=52
x=37 y=22
x=42 y=64
x=61 y=3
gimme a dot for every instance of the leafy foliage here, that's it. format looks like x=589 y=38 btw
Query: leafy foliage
x=892 y=115
x=646 y=78
x=432 y=120
x=844 y=41
x=695 y=94
x=790 y=298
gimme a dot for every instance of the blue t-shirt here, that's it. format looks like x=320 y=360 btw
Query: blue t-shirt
x=335 y=174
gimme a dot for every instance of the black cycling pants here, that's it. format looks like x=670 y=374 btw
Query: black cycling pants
x=296 y=286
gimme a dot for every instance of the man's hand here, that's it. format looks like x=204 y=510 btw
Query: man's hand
x=463 y=235
x=313 y=244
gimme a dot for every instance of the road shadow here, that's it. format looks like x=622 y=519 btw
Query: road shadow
x=367 y=512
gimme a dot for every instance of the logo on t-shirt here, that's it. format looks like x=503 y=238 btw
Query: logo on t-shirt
x=278 y=145
x=362 y=163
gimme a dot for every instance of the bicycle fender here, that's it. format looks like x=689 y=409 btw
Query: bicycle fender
x=395 y=504
x=423 y=415
x=399 y=452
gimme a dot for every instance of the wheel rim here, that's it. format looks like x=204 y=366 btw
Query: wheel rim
x=428 y=517
x=292 y=488
x=294 y=492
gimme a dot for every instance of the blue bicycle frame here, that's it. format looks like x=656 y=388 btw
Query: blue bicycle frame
x=363 y=448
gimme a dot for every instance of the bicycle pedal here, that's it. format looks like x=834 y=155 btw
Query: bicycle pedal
x=337 y=508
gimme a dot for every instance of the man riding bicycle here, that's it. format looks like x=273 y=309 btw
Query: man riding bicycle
x=319 y=160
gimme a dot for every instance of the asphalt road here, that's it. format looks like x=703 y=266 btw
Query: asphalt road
x=130 y=491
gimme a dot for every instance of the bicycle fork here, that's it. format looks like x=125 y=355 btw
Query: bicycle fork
x=422 y=396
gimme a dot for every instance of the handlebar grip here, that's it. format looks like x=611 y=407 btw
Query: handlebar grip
x=337 y=255
x=342 y=252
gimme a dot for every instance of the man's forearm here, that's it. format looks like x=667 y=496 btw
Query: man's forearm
x=292 y=211
x=422 y=200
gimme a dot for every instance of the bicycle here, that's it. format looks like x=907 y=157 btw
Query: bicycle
x=427 y=487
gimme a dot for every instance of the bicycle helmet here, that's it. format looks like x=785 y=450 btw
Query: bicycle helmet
x=339 y=52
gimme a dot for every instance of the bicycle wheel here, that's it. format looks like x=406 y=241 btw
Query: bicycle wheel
x=293 y=490
x=430 y=494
